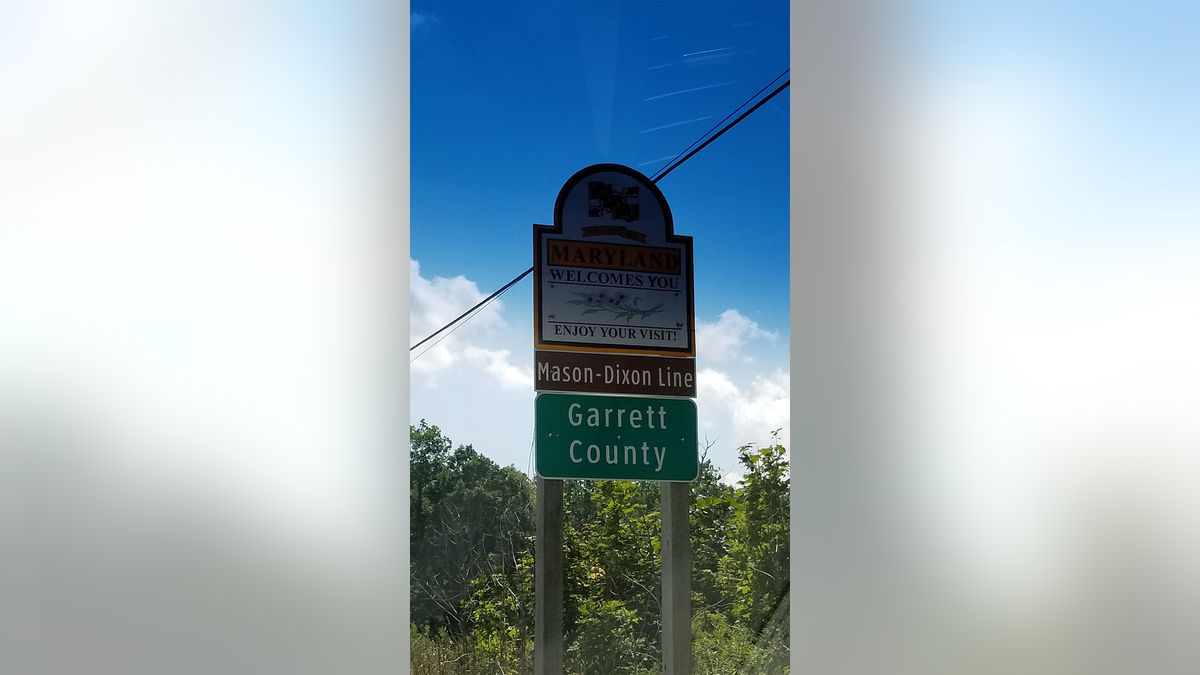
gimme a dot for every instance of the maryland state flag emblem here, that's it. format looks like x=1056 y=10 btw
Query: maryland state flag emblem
x=620 y=203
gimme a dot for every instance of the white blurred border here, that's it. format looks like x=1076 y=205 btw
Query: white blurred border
x=203 y=298
x=994 y=436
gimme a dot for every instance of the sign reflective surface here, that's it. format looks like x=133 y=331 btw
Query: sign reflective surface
x=611 y=274
x=616 y=437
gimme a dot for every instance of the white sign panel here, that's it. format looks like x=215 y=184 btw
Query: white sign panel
x=610 y=274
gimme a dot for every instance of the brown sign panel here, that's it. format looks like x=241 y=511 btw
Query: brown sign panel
x=610 y=373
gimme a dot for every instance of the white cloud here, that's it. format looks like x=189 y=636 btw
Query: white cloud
x=421 y=20
x=756 y=411
x=723 y=340
x=437 y=301
x=496 y=364
x=716 y=385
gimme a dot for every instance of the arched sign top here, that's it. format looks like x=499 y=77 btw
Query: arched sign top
x=614 y=196
x=611 y=275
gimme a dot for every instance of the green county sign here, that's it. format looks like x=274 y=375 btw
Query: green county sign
x=616 y=437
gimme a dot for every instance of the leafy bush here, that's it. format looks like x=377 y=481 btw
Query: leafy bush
x=720 y=646
x=436 y=652
x=607 y=642
x=500 y=619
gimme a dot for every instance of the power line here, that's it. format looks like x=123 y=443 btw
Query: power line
x=481 y=303
x=655 y=179
x=456 y=327
x=722 y=131
x=668 y=168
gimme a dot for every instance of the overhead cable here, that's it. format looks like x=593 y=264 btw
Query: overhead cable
x=702 y=136
x=481 y=303
x=722 y=131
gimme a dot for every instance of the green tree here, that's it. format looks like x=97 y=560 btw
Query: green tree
x=470 y=520
x=755 y=573
x=473 y=566
x=712 y=528
x=613 y=577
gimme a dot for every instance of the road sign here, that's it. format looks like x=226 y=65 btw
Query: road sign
x=607 y=373
x=614 y=312
x=611 y=275
x=616 y=437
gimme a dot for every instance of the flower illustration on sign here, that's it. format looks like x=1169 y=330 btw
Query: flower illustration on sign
x=621 y=304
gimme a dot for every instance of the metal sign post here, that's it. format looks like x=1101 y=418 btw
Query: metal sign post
x=676 y=580
x=548 y=580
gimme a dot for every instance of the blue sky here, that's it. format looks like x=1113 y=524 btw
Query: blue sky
x=508 y=101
